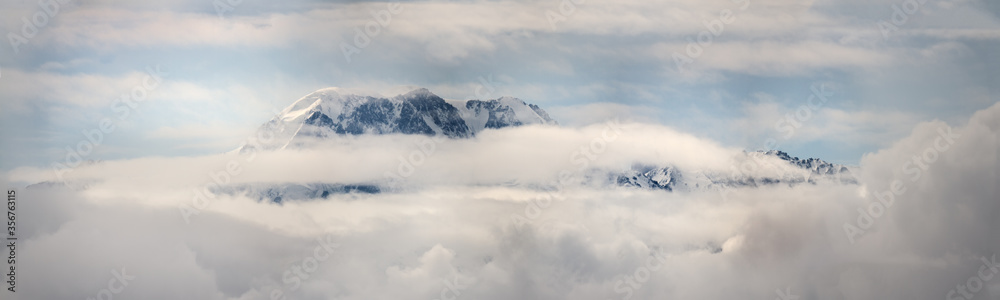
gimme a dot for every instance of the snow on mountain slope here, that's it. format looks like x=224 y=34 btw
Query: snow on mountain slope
x=502 y=112
x=332 y=112
x=336 y=111
x=279 y=192
x=796 y=171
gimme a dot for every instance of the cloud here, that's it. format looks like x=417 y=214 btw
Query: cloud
x=598 y=112
x=454 y=237
x=603 y=52
x=799 y=123
x=87 y=90
x=553 y=149
x=771 y=58
x=458 y=227
x=764 y=38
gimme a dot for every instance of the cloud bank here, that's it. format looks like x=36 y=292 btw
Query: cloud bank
x=458 y=233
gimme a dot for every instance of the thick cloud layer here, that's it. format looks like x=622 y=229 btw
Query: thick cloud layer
x=470 y=224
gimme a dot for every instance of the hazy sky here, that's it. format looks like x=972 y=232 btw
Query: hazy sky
x=227 y=69
x=456 y=226
x=905 y=90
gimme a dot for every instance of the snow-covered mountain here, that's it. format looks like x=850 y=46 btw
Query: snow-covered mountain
x=787 y=171
x=334 y=111
x=500 y=113
x=811 y=170
x=280 y=192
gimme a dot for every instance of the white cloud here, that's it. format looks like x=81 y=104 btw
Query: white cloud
x=452 y=222
x=801 y=124
x=592 y=113
x=765 y=38
x=581 y=246
x=769 y=58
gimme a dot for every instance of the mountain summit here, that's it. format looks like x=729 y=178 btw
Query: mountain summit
x=335 y=111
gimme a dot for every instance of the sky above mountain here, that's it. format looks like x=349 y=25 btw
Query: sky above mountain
x=208 y=73
x=165 y=92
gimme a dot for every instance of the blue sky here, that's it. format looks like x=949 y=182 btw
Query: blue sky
x=228 y=73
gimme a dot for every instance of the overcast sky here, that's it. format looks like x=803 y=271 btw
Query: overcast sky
x=906 y=92
x=453 y=228
x=229 y=68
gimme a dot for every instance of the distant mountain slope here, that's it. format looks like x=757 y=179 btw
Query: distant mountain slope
x=333 y=111
x=503 y=112
x=811 y=170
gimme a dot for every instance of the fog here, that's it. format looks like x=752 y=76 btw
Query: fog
x=480 y=219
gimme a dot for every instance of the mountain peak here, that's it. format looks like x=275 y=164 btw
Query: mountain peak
x=420 y=92
x=335 y=111
x=502 y=112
